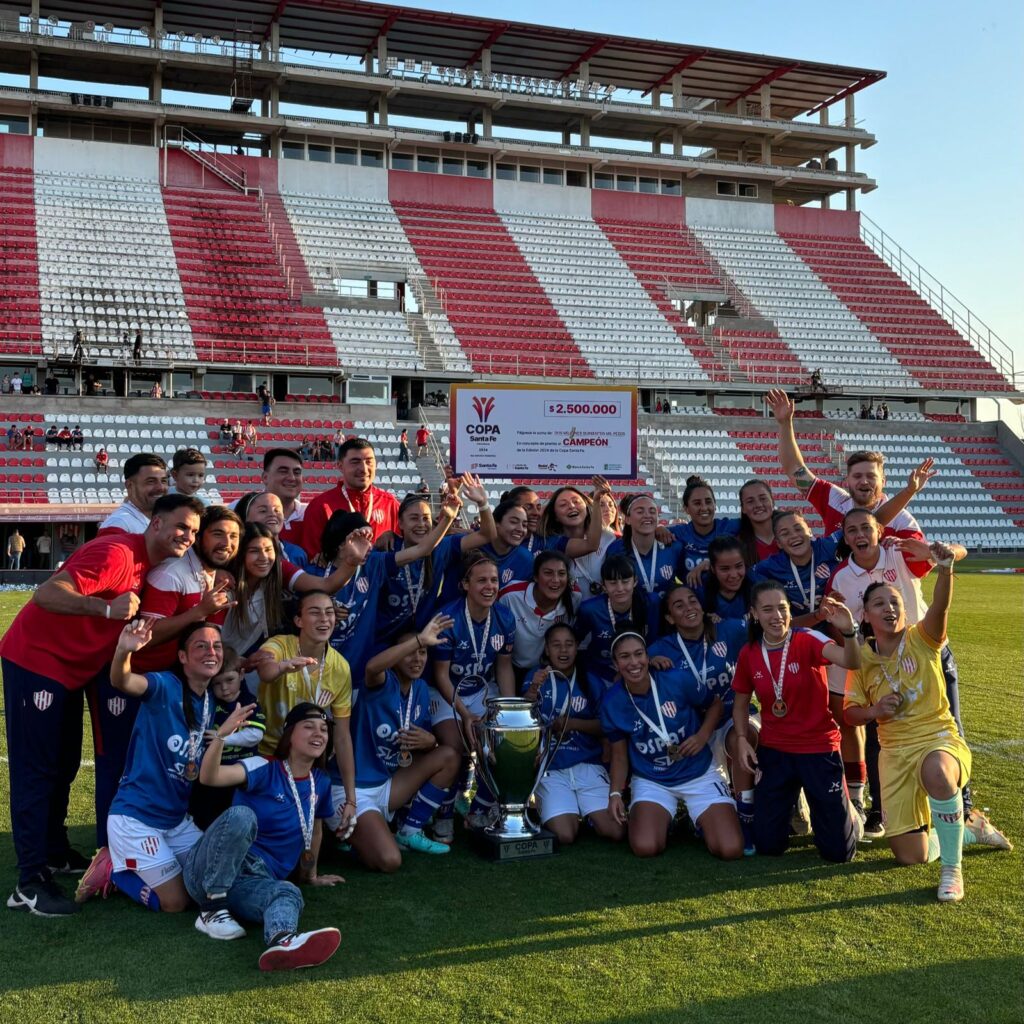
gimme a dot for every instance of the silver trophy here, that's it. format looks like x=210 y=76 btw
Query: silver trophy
x=515 y=742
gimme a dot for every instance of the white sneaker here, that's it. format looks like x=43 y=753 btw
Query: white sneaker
x=219 y=924
x=307 y=949
x=951 y=885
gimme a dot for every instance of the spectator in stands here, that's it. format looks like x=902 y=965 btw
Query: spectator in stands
x=126 y=342
x=5 y=385
x=51 y=385
x=237 y=445
x=355 y=493
x=403 y=445
x=657 y=407
x=91 y=385
x=816 y=382
x=14 y=437
x=77 y=353
x=156 y=391
x=58 y=644
x=188 y=473
x=883 y=411
x=266 y=403
x=282 y=475
x=28 y=439
x=43 y=546
x=16 y=383
x=137 y=348
x=252 y=438
x=667 y=407
x=423 y=488
x=102 y=461
x=422 y=439
x=306 y=451
x=64 y=438
x=145 y=480
x=865 y=413
x=77 y=438
x=15 y=549
x=339 y=440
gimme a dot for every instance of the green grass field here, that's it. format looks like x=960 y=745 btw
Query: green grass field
x=592 y=935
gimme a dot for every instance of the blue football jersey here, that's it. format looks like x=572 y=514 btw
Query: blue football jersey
x=376 y=721
x=457 y=647
x=801 y=581
x=695 y=545
x=719 y=660
x=595 y=631
x=582 y=699
x=655 y=571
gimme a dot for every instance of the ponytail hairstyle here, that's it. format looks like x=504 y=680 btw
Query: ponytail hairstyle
x=712 y=588
x=186 y=699
x=624 y=506
x=272 y=586
x=427 y=577
x=746 y=532
x=695 y=483
x=709 y=624
x=565 y=599
x=755 y=634
x=549 y=524
x=621 y=567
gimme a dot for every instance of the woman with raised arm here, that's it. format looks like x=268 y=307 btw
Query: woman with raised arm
x=508 y=549
x=655 y=562
x=575 y=784
x=660 y=725
x=571 y=524
x=473 y=661
x=798 y=744
x=242 y=866
x=414 y=589
x=624 y=605
x=398 y=760
x=924 y=763
x=707 y=653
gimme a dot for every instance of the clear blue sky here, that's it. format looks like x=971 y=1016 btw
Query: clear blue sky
x=948 y=119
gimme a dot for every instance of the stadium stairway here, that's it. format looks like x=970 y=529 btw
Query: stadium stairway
x=501 y=314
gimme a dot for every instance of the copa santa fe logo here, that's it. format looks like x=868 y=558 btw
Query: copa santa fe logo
x=42 y=699
x=483 y=406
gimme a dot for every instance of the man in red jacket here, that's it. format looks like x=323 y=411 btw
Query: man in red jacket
x=355 y=493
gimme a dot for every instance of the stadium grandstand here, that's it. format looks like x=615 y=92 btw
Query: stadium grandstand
x=356 y=204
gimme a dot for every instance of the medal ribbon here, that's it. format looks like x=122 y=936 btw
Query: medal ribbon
x=803 y=593
x=894 y=684
x=415 y=592
x=777 y=683
x=660 y=730
x=319 y=693
x=648 y=586
x=478 y=661
x=304 y=824
x=195 y=738
x=351 y=506
x=703 y=676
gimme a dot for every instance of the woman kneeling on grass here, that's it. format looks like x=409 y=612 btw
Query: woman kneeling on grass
x=398 y=760
x=798 y=743
x=924 y=764
x=239 y=869
x=654 y=723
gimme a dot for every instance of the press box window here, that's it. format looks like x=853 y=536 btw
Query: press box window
x=649 y=185
x=747 y=190
x=427 y=164
x=345 y=156
x=727 y=188
x=671 y=188
x=320 y=154
x=506 y=172
x=402 y=161
x=531 y=174
x=293 y=151
x=452 y=166
x=477 y=169
x=576 y=179
x=602 y=180
x=626 y=183
x=552 y=176
x=371 y=158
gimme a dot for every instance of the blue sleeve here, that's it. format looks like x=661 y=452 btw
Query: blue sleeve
x=324 y=803
x=582 y=626
x=381 y=567
x=696 y=695
x=446 y=643
x=257 y=773
x=559 y=542
x=510 y=632
x=679 y=531
x=728 y=526
x=734 y=633
x=156 y=689
x=825 y=547
x=421 y=700
x=608 y=721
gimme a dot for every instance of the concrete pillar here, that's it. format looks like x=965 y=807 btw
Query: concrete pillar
x=487 y=123
x=275 y=39
x=766 y=101
x=851 y=158
x=656 y=98
x=585 y=131
x=566 y=136
x=275 y=100
x=485 y=63
x=850 y=118
x=677 y=142
x=741 y=107
x=275 y=146
x=655 y=145
x=584 y=72
x=369 y=114
x=382 y=55
x=264 y=106
x=156 y=85
x=851 y=199
x=823 y=115
x=471 y=124
x=33 y=71
x=382 y=111
x=158 y=24
x=677 y=90
x=825 y=201
x=766 y=150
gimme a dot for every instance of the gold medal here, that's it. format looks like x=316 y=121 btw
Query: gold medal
x=404 y=758
x=307 y=859
x=191 y=771
x=674 y=751
x=780 y=708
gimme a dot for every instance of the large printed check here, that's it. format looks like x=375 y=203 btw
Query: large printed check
x=543 y=430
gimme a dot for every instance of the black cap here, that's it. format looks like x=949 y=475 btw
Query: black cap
x=303 y=711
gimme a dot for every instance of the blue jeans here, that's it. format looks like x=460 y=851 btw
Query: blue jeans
x=222 y=862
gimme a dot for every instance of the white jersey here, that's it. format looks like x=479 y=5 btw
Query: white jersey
x=586 y=569
x=126 y=518
x=531 y=623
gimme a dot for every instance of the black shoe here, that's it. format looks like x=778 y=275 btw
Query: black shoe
x=42 y=897
x=69 y=863
x=873 y=827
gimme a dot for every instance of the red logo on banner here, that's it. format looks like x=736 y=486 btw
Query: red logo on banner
x=484 y=407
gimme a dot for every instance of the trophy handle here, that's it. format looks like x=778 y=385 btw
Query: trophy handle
x=483 y=762
x=550 y=747
x=466 y=742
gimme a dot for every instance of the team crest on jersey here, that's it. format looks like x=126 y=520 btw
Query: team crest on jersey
x=325 y=698
x=116 y=705
x=150 y=845
x=498 y=641
x=889 y=575
x=909 y=664
x=42 y=699
x=506 y=575
x=719 y=649
x=665 y=572
x=579 y=703
x=378 y=515
x=669 y=707
x=823 y=571
x=794 y=667
x=362 y=585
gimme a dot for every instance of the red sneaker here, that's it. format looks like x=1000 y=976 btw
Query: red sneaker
x=305 y=949
x=96 y=879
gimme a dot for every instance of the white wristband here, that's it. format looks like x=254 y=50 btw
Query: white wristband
x=107 y=610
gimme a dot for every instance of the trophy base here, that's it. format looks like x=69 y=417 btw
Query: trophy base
x=503 y=848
